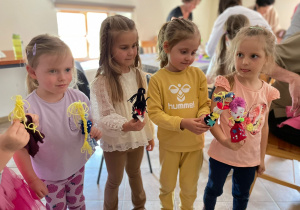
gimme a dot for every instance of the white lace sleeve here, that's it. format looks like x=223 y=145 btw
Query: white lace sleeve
x=108 y=121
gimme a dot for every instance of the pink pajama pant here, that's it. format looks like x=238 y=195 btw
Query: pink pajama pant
x=66 y=193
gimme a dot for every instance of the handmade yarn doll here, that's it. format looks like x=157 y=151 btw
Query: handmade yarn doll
x=223 y=100
x=35 y=136
x=139 y=106
x=237 y=109
x=79 y=112
x=14 y=191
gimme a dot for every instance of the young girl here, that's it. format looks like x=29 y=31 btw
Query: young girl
x=217 y=64
x=177 y=105
x=251 y=51
x=57 y=170
x=117 y=79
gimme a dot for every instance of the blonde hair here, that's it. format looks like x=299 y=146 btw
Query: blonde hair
x=268 y=47
x=111 y=27
x=46 y=45
x=231 y=27
x=173 y=32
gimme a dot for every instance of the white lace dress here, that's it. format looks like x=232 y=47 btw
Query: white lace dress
x=110 y=119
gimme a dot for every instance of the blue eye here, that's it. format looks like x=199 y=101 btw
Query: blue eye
x=239 y=55
x=254 y=56
x=52 y=71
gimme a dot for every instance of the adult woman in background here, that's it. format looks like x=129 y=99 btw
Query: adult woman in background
x=267 y=10
x=231 y=7
x=184 y=11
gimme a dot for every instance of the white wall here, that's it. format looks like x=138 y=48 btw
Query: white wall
x=12 y=83
x=27 y=18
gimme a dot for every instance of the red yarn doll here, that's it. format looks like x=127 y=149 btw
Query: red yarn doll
x=237 y=109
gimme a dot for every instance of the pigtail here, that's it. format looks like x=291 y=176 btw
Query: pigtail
x=219 y=66
x=162 y=55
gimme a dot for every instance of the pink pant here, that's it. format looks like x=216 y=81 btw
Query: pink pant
x=66 y=193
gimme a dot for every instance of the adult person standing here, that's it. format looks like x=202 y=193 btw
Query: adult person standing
x=295 y=24
x=184 y=11
x=267 y=10
x=231 y=7
x=287 y=75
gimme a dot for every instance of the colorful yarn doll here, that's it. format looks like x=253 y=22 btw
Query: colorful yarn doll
x=19 y=114
x=223 y=100
x=237 y=109
x=139 y=106
x=79 y=112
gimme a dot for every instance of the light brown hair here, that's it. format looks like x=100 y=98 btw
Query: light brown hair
x=46 y=45
x=173 y=32
x=111 y=27
x=269 y=41
x=231 y=27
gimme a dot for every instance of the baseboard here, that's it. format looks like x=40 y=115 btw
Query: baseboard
x=3 y=119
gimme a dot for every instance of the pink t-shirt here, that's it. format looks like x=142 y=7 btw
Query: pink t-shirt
x=60 y=155
x=257 y=107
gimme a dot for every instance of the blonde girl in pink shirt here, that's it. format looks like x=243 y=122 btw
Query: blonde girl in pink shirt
x=252 y=50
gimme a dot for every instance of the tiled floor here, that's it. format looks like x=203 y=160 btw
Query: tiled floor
x=265 y=196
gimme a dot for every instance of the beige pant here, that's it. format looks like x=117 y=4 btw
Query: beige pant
x=189 y=165
x=115 y=163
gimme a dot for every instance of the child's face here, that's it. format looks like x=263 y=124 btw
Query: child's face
x=182 y=54
x=250 y=57
x=124 y=49
x=53 y=75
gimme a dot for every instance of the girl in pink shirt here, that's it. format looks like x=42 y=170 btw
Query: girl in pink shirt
x=252 y=50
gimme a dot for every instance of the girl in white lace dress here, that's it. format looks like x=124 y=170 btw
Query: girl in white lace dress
x=124 y=138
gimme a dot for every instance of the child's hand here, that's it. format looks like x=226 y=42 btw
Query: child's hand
x=134 y=125
x=261 y=168
x=39 y=187
x=231 y=145
x=194 y=125
x=35 y=119
x=150 y=145
x=15 y=137
x=95 y=133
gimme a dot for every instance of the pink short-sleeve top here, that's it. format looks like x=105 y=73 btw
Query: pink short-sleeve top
x=258 y=102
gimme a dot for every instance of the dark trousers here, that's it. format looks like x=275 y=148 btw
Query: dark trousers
x=242 y=179
x=286 y=133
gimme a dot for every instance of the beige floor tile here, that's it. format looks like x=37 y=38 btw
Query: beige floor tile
x=198 y=205
x=279 y=192
x=94 y=205
x=260 y=205
x=95 y=192
x=150 y=205
x=289 y=205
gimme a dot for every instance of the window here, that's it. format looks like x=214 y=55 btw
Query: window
x=80 y=28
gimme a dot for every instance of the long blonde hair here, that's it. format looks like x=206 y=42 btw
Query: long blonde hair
x=110 y=28
x=231 y=27
x=46 y=45
x=173 y=32
x=268 y=47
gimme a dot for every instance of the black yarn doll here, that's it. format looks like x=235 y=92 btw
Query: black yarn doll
x=139 y=106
